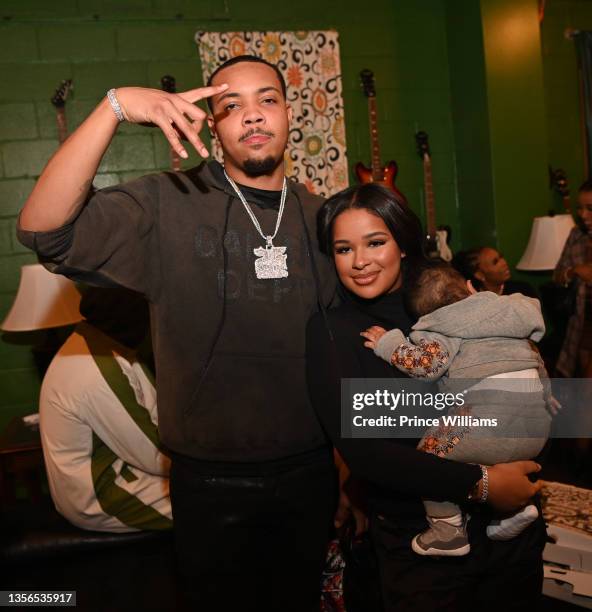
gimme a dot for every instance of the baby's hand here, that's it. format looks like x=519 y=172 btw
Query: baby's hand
x=373 y=335
x=553 y=405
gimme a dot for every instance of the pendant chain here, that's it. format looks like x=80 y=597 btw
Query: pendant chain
x=268 y=239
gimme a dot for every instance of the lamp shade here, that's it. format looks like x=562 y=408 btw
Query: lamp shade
x=43 y=300
x=547 y=238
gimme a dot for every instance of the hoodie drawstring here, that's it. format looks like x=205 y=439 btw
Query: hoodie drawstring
x=220 y=325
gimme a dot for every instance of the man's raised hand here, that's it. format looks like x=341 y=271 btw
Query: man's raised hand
x=174 y=113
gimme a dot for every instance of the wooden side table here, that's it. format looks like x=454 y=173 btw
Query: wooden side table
x=21 y=461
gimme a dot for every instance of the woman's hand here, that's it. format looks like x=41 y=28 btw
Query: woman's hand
x=174 y=113
x=509 y=486
x=373 y=335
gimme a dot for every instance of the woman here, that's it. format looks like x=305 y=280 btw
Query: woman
x=488 y=270
x=373 y=240
x=575 y=266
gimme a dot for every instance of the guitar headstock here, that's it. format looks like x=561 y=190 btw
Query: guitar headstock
x=423 y=146
x=367 y=78
x=61 y=93
x=168 y=83
x=558 y=181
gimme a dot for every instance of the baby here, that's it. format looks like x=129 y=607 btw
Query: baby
x=461 y=334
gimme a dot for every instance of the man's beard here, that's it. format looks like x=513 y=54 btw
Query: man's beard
x=259 y=167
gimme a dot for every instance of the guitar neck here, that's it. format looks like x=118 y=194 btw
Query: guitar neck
x=62 y=124
x=429 y=195
x=566 y=203
x=168 y=84
x=377 y=173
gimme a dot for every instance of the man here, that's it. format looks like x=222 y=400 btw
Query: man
x=99 y=431
x=231 y=273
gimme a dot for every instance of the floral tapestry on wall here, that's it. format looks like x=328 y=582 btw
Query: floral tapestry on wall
x=309 y=62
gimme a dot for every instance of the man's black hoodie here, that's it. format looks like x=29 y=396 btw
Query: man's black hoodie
x=229 y=348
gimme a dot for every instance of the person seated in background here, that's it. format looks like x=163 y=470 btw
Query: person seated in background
x=487 y=270
x=575 y=268
x=98 y=421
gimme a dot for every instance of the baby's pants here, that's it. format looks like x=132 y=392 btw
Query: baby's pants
x=516 y=400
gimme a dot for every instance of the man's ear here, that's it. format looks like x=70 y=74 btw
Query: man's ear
x=470 y=287
x=290 y=113
x=212 y=126
x=479 y=275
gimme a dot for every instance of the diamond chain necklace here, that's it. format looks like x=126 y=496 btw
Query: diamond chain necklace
x=271 y=260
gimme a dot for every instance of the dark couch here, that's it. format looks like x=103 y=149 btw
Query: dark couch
x=40 y=550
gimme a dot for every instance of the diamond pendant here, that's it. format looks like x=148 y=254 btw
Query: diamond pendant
x=271 y=262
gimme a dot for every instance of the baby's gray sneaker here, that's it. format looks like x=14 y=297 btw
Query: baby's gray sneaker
x=445 y=537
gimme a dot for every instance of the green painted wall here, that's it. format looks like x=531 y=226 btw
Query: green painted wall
x=109 y=43
x=566 y=143
x=517 y=123
x=500 y=122
x=470 y=119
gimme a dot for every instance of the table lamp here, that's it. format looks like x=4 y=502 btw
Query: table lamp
x=44 y=300
x=547 y=239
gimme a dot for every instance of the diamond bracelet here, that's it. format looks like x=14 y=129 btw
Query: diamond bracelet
x=115 y=105
x=484 y=487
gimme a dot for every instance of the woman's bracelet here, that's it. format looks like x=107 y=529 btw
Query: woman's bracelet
x=474 y=494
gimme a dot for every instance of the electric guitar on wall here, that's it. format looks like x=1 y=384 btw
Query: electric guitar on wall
x=558 y=182
x=59 y=101
x=383 y=175
x=436 y=242
x=169 y=85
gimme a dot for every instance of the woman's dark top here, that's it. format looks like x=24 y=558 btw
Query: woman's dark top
x=399 y=475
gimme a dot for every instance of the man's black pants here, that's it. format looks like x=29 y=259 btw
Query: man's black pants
x=256 y=542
